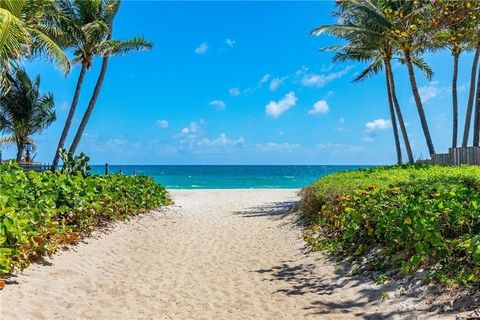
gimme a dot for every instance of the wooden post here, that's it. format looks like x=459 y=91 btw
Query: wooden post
x=106 y=169
x=134 y=173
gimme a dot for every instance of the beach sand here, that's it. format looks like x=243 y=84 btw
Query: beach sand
x=214 y=254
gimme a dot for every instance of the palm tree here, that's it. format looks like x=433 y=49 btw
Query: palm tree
x=368 y=44
x=455 y=27
x=108 y=47
x=85 y=24
x=407 y=27
x=26 y=30
x=25 y=111
x=460 y=32
x=357 y=52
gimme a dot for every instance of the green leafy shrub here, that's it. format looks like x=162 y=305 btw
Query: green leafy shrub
x=414 y=215
x=39 y=212
x=73 y=164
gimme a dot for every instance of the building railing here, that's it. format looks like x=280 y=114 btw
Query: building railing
x=34 y=166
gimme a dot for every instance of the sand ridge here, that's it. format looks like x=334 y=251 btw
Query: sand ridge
x=214 y=254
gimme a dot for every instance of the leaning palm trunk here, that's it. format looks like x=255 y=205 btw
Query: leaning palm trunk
x=471 y=95
x=71 y=113
x=406 y=140
x=393 y=119
x=91 y=105
x=454 y=101
x=418 y=102
x=476 y=119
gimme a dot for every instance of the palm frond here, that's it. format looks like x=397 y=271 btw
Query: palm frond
x=117 y=47
x=341 y=31
x=7 y=141
x=13 y=36
x=421 y=64
x=44 y=44
x=373 y=69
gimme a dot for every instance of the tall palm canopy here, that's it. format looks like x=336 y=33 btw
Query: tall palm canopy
x=27 y=29
x=377 y=31
x=367 y=40
x=25 y=111
x=88 y=24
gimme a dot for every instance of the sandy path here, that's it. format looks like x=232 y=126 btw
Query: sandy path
x=226 y=254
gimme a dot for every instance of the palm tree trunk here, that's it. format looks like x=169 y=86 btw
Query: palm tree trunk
x=471 y=94
x=91 y=105
x=71 y=113
x=418 y=102
x=20 y=148
x=393 y=119
x=403 y=128
x=476 y=119
x=455 y=100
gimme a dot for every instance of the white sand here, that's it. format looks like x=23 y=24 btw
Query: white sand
x=215 y=254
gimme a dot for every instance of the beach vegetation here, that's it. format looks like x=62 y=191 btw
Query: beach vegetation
x=406 y=217
x=41 y=212
x=73 y=165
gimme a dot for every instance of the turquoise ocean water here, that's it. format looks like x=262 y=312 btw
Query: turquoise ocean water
x=228 y=177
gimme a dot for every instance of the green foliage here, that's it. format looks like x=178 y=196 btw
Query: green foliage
x=87 y=29
x=25 y=110
x=415 y=216
x=40 y=212
x=26 y=30
x=73 y=164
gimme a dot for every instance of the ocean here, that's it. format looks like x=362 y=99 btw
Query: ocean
x=228 y=176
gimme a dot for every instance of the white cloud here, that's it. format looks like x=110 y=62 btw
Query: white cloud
x=320 y=80
x=277 y=147
x=222 y=140
x=341 y=126
x=276 y=83
x=162 y=123
x=372 y=127
x=275 y=109
x=230 y=42
x=320 y=106
x=219 y=104
x=234 y=92
x=115 y=142
x=265 y=78
x=336 y=149
x=369 y=138
x=431 y=91
x=192 y=129
x=377 y=125
x=202 y=48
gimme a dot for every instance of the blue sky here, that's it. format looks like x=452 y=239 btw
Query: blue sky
x=242 y=83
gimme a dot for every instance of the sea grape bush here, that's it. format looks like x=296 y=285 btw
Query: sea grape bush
x=42 y=211
x=419 y=215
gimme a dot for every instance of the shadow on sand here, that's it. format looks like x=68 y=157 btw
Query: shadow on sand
x=328 y=280
x=277 y=210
